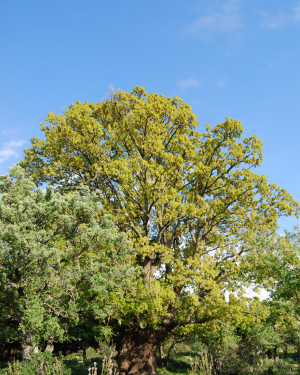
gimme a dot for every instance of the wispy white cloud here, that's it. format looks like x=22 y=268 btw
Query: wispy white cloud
x=275 y=22
x=296 y=13
x=224 y=17
x=221 y=83
x=7 y=131
x=189 y=83
x=7 y=153
x=281 y=19
x=271 y=65
x=14 y=143
x=9 y=150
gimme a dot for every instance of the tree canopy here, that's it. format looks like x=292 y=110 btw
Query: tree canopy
x=60 y=259
x=189 y=201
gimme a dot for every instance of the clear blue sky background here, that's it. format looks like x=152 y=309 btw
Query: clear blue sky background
x=237 y=58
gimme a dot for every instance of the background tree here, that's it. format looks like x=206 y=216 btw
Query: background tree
x=287 y=268
x=285 y=265
x=61 y=261
x=188 y=201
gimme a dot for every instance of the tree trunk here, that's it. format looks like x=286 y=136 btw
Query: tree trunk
x=137 y=352
x=275 y=354
x=171 y=347
x=84 y=357
x=161 y=354
x=50 y=344
x=26 y=345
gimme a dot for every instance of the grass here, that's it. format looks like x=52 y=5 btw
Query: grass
x=179 y=363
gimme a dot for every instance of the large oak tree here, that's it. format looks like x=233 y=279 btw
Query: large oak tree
x=188 y=200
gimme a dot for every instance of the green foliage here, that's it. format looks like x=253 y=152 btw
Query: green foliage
x=40 y=363
x=280 y=367
x=287 y=269
x=281 y=264
x=201 y=222
x=108 y=366
x=62 y=259
x=202 y=365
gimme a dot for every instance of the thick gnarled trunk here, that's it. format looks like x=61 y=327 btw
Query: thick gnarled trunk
x=137 y=352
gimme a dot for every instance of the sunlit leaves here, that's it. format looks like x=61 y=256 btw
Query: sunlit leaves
x=61 y=258
x=188 y=200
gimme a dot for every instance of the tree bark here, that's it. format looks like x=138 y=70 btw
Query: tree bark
x=84 y=357
x=50 y=344
x=275 y=354
x=26 y=345
x=136 y=352
x=161 y=354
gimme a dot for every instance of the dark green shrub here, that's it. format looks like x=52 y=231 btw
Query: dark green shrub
x=40 y=364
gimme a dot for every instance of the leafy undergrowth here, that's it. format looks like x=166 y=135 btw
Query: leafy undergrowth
x=175 y=365
x=179 y=363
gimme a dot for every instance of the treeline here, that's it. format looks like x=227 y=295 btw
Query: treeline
x=149 y=230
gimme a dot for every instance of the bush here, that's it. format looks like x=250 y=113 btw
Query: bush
x=202 y=364
x=40 y=364
x=281 y=367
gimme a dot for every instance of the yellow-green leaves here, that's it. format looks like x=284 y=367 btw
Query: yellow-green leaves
x=187 y=199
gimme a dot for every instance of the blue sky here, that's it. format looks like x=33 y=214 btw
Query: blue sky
x=237 y=58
